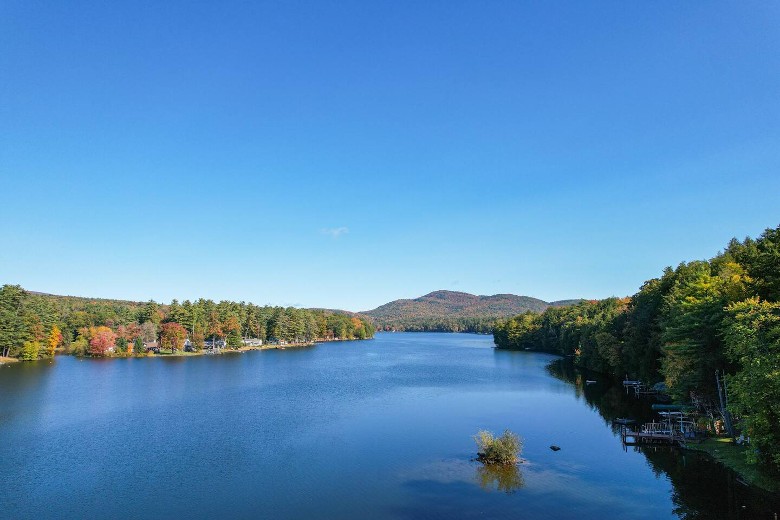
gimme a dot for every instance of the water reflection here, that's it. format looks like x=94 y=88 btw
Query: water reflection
x=702 y=488
x=506 y=478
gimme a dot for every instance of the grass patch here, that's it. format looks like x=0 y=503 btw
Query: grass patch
x=7 y=360
x=734 y=457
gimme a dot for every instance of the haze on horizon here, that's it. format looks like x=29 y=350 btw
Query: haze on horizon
x=344 y=155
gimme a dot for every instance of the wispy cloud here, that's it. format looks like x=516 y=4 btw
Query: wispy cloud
x=335 y=232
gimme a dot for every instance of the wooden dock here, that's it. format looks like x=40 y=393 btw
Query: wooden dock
x=639 y=388
x=636 y=438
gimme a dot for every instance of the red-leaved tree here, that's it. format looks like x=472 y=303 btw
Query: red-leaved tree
x=102 y=340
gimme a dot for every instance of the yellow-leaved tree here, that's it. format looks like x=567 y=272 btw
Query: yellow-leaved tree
x=54 y=339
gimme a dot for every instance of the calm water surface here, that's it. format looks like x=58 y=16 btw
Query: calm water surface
x=365 y=429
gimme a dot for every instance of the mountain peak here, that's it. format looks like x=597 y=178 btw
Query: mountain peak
x=452 y=310
x=444 y=294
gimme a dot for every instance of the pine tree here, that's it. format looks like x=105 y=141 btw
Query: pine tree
x=13 y=332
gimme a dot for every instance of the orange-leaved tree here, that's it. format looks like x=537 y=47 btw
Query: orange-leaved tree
x=172 y=336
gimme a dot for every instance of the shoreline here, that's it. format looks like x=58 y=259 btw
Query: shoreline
x=181 y=353
x=718 y=449
x=204 y=352
x=269 y=347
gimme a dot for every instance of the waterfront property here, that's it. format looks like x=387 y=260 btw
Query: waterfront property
x=674 y=427
x=214 y=344
x=152 y=346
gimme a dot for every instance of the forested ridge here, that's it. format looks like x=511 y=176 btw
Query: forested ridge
x=36 y=325
x=453 y=311
x=703 y=316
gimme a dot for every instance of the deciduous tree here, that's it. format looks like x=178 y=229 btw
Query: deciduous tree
x=102 y=341
x=31 y=350
x=54 y=340
x=752 y=337
x=148 y=332
x=172 y=336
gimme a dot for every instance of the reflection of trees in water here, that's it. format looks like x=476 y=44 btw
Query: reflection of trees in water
x=607 y=397
x=701 y=488
x=502 y=477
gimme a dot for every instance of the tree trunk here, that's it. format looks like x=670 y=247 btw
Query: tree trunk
x=724 y=411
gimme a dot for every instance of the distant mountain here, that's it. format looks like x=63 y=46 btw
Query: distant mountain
x=565 y=303
x=455 y=311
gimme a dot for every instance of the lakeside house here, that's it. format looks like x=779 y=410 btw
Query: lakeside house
x=152 y=346
x=252 y=342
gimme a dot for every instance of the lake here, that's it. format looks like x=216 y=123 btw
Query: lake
x=366 y=429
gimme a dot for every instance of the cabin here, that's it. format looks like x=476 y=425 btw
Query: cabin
x=152 y=346
x=252 y=342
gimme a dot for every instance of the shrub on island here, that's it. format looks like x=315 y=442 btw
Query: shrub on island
x=504 y=449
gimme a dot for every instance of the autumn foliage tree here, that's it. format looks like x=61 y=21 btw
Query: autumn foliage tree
x=102 y=340
x=172 y=336
x=358 y=328
x=198 y=336
x=129 y=332
x=54 y=339
x=215 y=326
x=30 y=350
x=232 y=329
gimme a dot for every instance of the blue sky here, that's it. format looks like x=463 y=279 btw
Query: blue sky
x=344 y=154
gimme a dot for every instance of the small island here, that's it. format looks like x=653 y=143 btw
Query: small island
x=502 y=450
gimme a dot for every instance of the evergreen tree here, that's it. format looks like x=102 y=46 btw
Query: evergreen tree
x=138 y=346
x=13 y=332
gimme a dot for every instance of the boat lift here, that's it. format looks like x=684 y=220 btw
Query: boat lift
x=675 y=428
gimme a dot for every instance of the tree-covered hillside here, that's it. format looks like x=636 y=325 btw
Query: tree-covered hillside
x=452 y=311
x=35 y=325
x=721 y=314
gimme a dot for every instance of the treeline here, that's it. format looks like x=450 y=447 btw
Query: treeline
x=722 y=314
x=34 y=326
x=480 y=325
